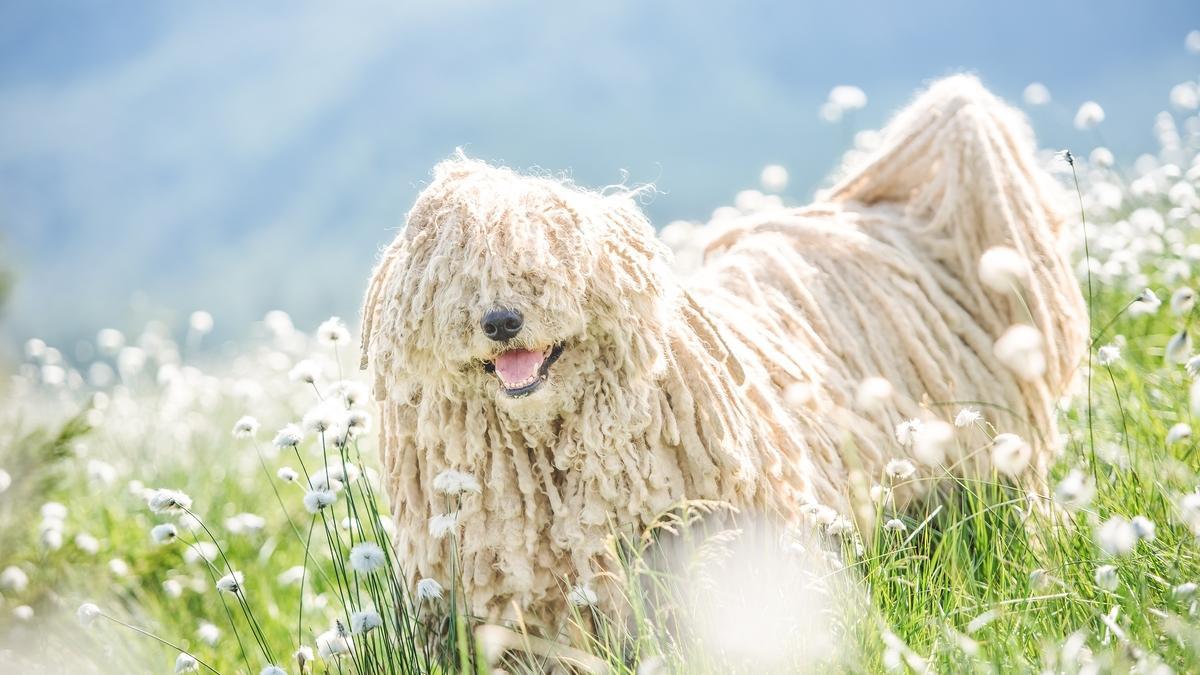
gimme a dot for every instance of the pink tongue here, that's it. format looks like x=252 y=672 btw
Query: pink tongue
x=515 y=366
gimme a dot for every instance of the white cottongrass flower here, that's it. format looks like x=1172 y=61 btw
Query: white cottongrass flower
x=172 y=588
x=1116 y=536
x=87 y=613
x=322 y=417
x=429 y=589
x=351 y=392
x=303 y=656
x=1103 y=158
x=54 y=511
x=1185 y=96
x=168 y=501
x=1106 y=577
x=208 y=633
x=245 y=427
x=1179 y=432
x=201 y=322
x=1020 y=349
x=840 y=526
x=932 y=441
x=291 y=576
x=582 y=596
x=22 y=612
x=1089 y=116
x=245 y=523
x=272 y=670
x=289 y=436
x=335 y=477
x=1036 y=93
x=443 y=524
x=966 y=417
x=52 y=538
x=1184 y=590
x=186 y=663
x=87 y=543
x=306 y=371
x=1147 y=302
x=1143 y=527
x=231 y=583
x=201 y=550
x=1075 y=491
x=1179 y=347
x=774 y=178
x=1183 y=300
x=1003 y=270
x=317 y=500
x=900 y=469
x=287 y=474
x=1010 y=454
x=367 y=557
x=872 y=394
x=5 y=480
x=333 y=332
x=906 y=431
x=332 y=643
x=451 y=482
x=14 y=579
x=1108 y=355
x=880 y=494
x=164 y=533
x=895 y=525
x=364 y=620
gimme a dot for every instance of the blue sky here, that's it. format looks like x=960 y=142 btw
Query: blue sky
x=157 y=158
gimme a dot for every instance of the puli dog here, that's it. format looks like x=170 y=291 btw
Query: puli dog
x=532 y=333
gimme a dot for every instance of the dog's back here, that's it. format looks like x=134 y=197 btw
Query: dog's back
x=882 y=279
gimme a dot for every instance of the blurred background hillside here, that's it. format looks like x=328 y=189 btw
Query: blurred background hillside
x=158 y=158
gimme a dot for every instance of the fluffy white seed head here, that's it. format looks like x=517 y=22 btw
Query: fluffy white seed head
x=186 y=663
x=287 y=474
x=168 y=501
x=1106 y=577
x=1003 y=270
x=451 y=482
x=1143 y=527
x=332 y=643
x=429 y=589
x=443 y=524
x=1183 y=300
x=873 y=393
x=774 y=178
x=966 y=417
x=907 y=431
x=582 y=596
x=1020 y=349
x=289 y=436
x=1010 y=454
x=1108 y=355
x=245 y=427
x=895 y=525
x=303 y=656
x=1036 y=94
x=932 y=442
x=231 y=583
x=272 y=670
x=367 y=557
x=208 y=633
x=1179 y=347
x=1116 y=536
x=14 y=579
x=164 y=533
x=1075 y=490
x=364 y=621
x=317 y=500
x=333 y=332
x=87 y=613
x=1179 y=433
x=1147 y=302
x=900 y=469
x=306 y=371
x=1089 y=116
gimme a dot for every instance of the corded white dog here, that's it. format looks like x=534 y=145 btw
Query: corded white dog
x=531 y=333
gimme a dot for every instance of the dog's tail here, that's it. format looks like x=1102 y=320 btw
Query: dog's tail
x=961 y=165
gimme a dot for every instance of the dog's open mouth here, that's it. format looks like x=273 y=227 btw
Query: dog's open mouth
x=522 y=371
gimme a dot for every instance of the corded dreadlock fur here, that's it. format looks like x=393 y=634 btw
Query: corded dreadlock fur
x=666 y=391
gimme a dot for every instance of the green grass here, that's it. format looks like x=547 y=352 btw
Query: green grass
x=987 y=579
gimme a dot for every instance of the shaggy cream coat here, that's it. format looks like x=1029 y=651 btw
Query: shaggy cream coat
x=743 y=386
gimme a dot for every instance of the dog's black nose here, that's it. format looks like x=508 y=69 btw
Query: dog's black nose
x=502 y=324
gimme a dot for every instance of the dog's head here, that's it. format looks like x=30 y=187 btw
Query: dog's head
x=524 y=291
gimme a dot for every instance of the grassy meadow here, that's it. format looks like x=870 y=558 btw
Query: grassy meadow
x=100 y=571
